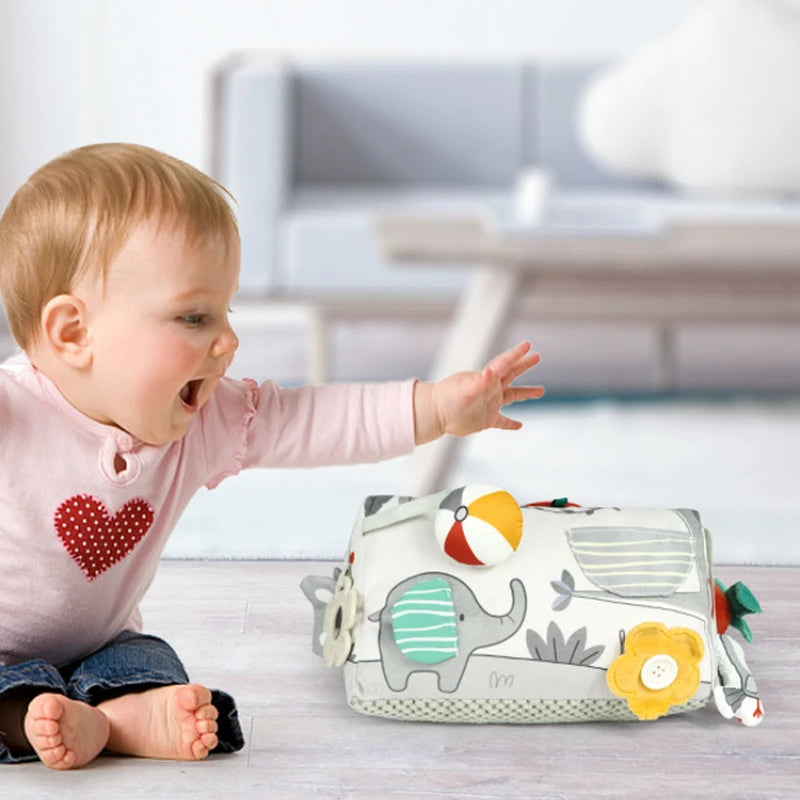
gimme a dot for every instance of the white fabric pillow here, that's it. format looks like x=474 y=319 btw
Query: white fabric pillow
x=714 y=107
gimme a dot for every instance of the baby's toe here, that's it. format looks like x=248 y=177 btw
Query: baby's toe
x=206 y=726
x=57 y=757
x=207 y=712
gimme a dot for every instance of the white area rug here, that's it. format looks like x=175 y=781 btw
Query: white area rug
x=737 y=462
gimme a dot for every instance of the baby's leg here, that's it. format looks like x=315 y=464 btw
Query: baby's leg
x=65 y=733
x=175 y=722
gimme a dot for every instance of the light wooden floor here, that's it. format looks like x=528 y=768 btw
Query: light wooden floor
x=245 y=627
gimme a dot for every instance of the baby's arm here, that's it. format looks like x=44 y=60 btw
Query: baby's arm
x=468 y=402
x=245 y=425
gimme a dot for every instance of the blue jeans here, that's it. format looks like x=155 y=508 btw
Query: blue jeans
x=133 y=662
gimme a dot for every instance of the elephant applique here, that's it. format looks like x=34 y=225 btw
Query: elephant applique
x=433 y=622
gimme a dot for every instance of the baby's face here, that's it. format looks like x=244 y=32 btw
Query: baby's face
x=160 y=336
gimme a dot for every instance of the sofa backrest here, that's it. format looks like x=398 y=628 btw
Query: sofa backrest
x=451 y=124
x=559 y=88
x=408 y=124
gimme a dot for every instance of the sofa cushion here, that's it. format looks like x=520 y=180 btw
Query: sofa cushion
x=328 y=242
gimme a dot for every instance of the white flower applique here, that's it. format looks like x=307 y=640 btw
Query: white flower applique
x=340 y=617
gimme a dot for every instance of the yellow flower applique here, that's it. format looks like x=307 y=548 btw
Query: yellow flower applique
x=659 y=668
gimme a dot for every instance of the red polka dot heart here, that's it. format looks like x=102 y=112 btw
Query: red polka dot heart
x=96 y=539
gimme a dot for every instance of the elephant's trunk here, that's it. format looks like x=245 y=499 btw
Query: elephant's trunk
x=509 y=624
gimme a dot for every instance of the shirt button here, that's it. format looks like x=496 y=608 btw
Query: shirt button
x=659 y=672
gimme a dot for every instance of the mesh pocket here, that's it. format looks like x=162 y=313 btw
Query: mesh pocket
x=514 y=711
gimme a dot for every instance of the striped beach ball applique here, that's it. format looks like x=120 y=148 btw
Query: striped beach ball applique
x=479 y=525
x=424 y=622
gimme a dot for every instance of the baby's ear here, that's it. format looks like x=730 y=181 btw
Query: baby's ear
x=64 y=330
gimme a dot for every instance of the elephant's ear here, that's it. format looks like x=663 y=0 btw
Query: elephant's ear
x=424 y=622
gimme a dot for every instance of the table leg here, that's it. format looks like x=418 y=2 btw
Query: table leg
x=667 y=367
x=479 y=322
x=319 y=349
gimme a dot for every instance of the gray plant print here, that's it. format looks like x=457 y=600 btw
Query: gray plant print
x=560 y=651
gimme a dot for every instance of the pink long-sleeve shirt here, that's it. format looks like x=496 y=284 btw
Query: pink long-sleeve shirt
x=80 y=542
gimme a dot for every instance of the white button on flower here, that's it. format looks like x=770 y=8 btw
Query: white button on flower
x=340 y=616
x=659 y=671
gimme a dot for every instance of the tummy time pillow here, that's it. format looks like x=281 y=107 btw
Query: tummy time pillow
x=465 y=607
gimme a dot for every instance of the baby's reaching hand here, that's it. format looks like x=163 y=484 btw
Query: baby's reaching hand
x=468 y=402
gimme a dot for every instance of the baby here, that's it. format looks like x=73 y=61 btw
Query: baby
x=117 y=267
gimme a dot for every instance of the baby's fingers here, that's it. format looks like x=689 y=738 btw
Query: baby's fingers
x=516 y=394
x=505 y=362
x=507 y=424
x=521 y=367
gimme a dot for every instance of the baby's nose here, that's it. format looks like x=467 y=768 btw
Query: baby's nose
x=226 y=344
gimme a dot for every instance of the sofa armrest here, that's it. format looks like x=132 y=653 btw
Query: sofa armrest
x=251 y=155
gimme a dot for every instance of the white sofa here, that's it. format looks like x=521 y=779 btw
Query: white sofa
x=312 y=152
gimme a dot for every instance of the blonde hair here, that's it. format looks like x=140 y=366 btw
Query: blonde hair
x=76 y=212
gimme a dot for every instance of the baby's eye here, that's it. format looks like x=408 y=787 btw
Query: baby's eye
x=193 y=320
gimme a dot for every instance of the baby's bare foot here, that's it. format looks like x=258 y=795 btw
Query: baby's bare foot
x=65 y=733
x=176 y=722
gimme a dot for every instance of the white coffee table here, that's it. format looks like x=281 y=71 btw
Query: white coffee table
x=711 y=263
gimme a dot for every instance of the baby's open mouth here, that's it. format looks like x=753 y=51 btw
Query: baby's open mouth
x=190 y=392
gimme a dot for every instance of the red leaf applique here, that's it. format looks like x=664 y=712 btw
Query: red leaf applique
x=95 y=539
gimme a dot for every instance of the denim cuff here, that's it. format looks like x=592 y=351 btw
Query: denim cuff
x=32 y=677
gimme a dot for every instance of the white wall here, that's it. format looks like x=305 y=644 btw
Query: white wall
x=46 y=85
x=76 y=71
